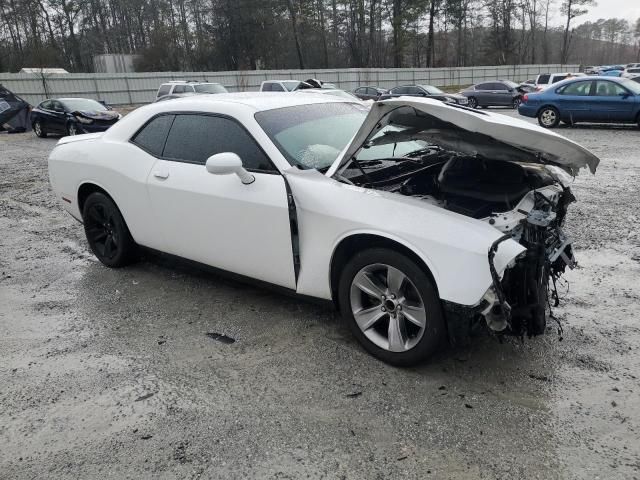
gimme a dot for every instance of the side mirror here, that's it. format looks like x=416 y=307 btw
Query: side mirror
x=227 y=163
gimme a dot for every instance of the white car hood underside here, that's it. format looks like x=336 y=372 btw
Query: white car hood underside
x=485 y=134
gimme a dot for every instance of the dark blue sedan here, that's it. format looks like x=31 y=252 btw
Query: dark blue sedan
x=584 y=99
x=71 y=116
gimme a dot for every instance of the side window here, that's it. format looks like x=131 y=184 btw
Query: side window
x=399 y=90
x=500 y=86
x=483 y=86
x=361 y=90
x=276 y=87
x=164 y=90
x=543 y=79
x=371 y=91
x=609 y=89
x=413 y=90
x=558 y=78
x=577 y=88
x=153 y=135
x=267 y=87
x=46 y=105
x=56 y=106
x=179 y=89
x=189 y=88
x=194 y=138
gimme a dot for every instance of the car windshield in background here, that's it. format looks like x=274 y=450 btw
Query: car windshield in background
x=291 y=85
x=83 y=104
x=210 y=88
x=432 y=90
x=312 y=136
x=631 y=85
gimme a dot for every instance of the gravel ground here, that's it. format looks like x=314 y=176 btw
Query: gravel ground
x=110 y=374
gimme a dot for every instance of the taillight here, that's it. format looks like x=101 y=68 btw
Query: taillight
x=525 y=97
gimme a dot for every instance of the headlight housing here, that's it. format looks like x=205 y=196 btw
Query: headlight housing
x=84 y=120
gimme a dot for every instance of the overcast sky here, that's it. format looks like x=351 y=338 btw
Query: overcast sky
x=629 y=9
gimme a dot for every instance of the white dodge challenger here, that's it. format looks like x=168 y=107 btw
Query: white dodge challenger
x=420 y=220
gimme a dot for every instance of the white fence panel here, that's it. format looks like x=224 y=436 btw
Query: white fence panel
x=140 y=88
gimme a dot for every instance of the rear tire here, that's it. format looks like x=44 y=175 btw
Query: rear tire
x=516 y=103
x=391 y=306
x=38 y=130
x=548 y=117
x=107 y=232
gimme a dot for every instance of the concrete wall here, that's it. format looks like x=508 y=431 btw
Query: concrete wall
x=140 y=88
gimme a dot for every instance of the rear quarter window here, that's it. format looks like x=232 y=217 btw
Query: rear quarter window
x=153 y=135
x=544 y=78
x=164 y=90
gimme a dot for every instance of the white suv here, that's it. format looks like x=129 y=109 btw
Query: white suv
x=183 y=88
x=545 y=79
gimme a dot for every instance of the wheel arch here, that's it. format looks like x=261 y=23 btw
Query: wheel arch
x=87 y=188
x=355 y=242
x=545 y=105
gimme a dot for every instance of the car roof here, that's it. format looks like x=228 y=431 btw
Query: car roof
x=261 y=101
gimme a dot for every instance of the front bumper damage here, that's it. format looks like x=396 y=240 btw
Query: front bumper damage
x=519 y=298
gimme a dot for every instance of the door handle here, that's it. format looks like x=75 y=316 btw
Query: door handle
x=163 y=175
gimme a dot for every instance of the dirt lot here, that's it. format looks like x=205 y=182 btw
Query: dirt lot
x=110 y=374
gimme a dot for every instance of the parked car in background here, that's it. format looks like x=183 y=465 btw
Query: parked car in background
x=379 y=210
x=528 y=86
x=280 y=85
x=184 y=88
x=630 y=72
x=590 y=99
x=497 y=93
x=591 y=70
x=71 y=116
x=611 y=73
x=546 y=79
x=424 y=91
x=369 y=93
x=635 y=79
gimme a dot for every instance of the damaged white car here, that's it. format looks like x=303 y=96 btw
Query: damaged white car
x=420 y=220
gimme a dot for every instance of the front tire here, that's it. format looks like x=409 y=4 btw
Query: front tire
x=392 y=307
x=38 y=130
x=548 y=117
x=107 y=232
x=72 y=129
x=472 y=102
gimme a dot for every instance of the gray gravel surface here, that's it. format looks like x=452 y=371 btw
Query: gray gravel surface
x=110 y=374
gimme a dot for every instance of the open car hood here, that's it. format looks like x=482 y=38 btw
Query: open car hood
x=472 y=132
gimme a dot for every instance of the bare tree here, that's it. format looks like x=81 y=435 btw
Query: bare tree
x=571 y=9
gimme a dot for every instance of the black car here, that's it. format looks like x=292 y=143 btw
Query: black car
x=425 y=91
x=369 y=93
x=71 y=116
x=498 y=93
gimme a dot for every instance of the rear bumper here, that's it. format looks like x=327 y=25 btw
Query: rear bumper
x=528 y=110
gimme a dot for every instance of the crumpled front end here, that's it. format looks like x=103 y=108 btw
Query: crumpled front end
x=517 y=301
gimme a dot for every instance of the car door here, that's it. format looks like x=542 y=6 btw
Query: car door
x=500 y=94
x=572 y=100
x=483 y=93
x=58 y=118
x=216 y=219
x=611 y=102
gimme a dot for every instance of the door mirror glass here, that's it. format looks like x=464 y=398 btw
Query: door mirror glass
x=227 y=163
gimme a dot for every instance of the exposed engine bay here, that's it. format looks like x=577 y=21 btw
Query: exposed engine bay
x=523 y=198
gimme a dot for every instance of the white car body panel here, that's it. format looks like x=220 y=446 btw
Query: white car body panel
x=216 y=220
x=453 y=247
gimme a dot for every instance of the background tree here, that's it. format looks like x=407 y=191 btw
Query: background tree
x=571 y=9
